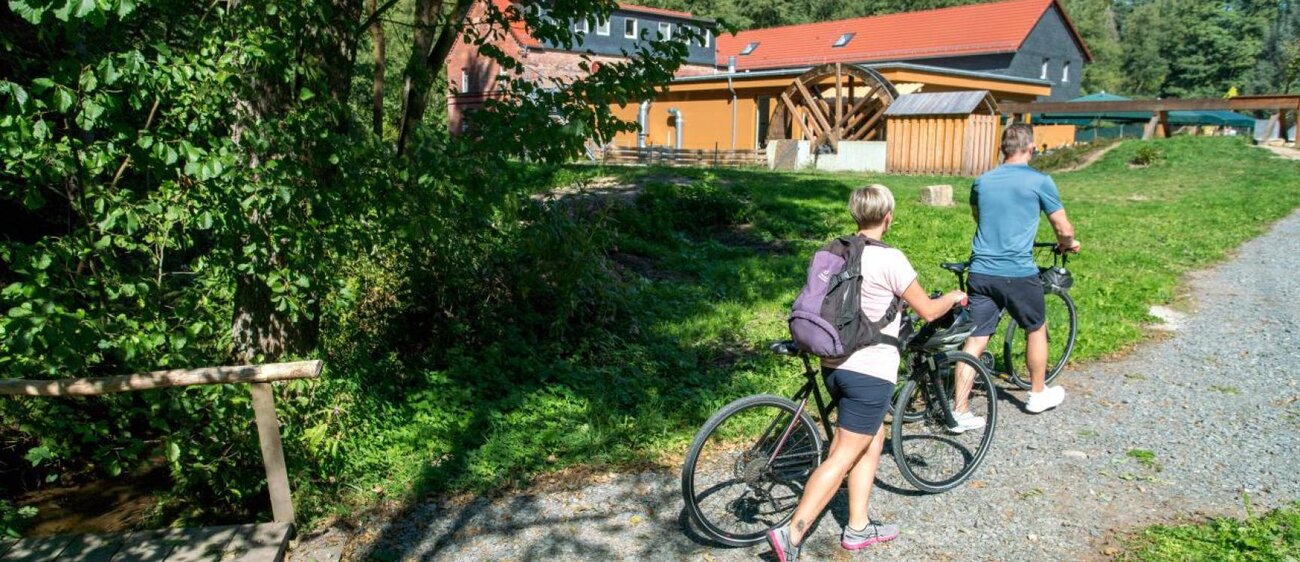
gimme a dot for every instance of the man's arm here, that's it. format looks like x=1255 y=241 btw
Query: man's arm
x=975 y=213
x=1064 y=231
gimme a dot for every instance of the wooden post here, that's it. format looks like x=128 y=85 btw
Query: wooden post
x=1268 y=128
x=1164 y=123
x=1149 y=132
x=1282 y=125
x=268 y=434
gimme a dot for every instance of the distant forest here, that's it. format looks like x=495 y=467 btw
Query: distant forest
x=1142 y=48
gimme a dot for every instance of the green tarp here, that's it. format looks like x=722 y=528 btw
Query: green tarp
x=1177 y=118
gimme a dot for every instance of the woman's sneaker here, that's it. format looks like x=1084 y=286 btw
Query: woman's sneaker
x=873 y=533
x=1049 y=398
x=966 y=421
x=785 y=549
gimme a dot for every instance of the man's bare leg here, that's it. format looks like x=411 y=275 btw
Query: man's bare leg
x=966 y=374
x=1036 y=358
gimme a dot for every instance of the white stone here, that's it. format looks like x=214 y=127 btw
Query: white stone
x=937 y=195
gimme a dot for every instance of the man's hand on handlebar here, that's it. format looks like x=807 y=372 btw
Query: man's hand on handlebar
x=1073 y=248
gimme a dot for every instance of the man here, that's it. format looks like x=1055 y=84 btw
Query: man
x=1005 y=203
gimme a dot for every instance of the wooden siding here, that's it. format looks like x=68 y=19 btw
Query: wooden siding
x=964 y=145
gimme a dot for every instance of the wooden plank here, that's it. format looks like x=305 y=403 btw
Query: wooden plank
x=1164 y=123
x=5 y=545
x=268 y=435
x=37 y=549
x=1275 y=103
x=814 y=108
x=203 y=544
x=266 y=542
x=149 y=546
x=853 y=111
x=92 y=548
x=1149 y=132
x=839 y=96
x=795 y=117
x=1282 y=126
x=163 y=379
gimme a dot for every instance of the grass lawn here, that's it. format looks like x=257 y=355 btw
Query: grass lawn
x=711 y=262
x=1273 y=536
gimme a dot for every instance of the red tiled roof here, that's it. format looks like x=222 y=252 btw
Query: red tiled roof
x=998 y=27
x=649 y=10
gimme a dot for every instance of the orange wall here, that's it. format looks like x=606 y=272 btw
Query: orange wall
x=1053 y=136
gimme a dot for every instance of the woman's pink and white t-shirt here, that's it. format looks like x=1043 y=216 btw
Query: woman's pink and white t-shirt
x=886 y=273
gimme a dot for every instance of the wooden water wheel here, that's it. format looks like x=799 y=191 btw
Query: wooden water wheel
x=831 y=103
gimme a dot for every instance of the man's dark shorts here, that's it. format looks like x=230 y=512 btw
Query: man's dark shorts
x=862 y=399
x=1021 y=296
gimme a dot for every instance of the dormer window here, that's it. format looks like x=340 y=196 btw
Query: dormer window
x=843 y=40
x=749 y=48
x=602 y=28
x=665 y=31
x=582 y=27
x=708 y=37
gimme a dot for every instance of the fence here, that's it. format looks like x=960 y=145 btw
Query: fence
x=663 y=156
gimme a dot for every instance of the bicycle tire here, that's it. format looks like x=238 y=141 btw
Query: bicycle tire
x=922 y=446
x=1017 y=372
x=744 y=435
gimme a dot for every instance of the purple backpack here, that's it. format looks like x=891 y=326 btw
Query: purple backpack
x=827 y=319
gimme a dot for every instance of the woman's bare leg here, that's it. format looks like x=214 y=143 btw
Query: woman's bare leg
x=846 y=449
x=862 y=479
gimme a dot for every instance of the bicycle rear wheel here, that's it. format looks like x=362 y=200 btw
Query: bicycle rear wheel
x=930 y=456
x=741 y=477
x=1062 y=330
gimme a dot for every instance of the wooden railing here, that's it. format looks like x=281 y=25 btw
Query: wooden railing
x=663 y=156
x=258 y=378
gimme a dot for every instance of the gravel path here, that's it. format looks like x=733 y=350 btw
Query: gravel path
x=1217 y=402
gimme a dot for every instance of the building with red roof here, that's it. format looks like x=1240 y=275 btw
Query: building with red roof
x=1032 y=39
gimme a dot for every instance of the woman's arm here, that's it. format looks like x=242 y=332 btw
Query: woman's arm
x=930 y=309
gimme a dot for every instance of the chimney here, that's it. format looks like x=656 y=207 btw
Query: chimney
x=731 y=64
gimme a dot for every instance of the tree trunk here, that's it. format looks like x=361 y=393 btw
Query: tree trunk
x=415 y=88
x=377 y=37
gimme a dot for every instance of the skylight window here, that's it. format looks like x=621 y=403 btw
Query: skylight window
x=843 y=40
x=749 y=48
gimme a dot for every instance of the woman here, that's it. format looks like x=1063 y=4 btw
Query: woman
x=864 y=383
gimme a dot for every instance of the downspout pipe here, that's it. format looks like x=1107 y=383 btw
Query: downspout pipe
x=642 y=116
x=681 y=121
x=731 y=70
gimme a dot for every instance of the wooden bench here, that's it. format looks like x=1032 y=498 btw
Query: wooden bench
x=243 y=543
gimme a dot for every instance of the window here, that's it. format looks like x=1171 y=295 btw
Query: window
x=749 y=48
x=708 y=37
x=843 y=40
x=602 y=28
x=464 y=81
x=629 y=28
x=1065 y=72
x=1043 y=74
x=582 y=26
x=665 y=31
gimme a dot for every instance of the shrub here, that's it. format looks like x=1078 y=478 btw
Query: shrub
x=1146 y=155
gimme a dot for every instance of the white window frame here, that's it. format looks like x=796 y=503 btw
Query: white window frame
x=665 y=31
x=633 y=33
x=602 y=28
x=582 y=26
x=1065 y=72
x=464 y=81
x=1042 y=75
x=708 y=37
x=749 y=48
x=843 y=40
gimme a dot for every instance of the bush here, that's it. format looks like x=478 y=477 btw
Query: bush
x=1146 y=155
x=14 y=520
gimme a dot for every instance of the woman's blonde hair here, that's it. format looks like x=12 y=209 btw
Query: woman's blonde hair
x=870 y=204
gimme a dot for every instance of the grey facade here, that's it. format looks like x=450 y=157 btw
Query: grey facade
x=646 y=27
x=1050 y=53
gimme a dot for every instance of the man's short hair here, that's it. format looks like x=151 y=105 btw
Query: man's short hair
x=1017 y=138
x=870 y=204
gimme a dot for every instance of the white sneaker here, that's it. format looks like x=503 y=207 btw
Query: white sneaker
x=1049 y=398
x=966 y=421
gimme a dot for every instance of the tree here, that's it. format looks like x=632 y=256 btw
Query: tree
x=1096 y=22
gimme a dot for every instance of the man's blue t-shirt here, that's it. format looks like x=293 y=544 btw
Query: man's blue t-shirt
x=1009 y=198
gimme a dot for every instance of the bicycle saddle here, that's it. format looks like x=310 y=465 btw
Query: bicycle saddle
x=785 y=347
x=955 y=266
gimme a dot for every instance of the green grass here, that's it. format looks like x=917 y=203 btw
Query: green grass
x=1271 y=537
x=710 y=270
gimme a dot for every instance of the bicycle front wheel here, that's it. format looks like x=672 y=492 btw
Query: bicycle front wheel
x=1062 y=329
x=746 y=469
x=931 y=456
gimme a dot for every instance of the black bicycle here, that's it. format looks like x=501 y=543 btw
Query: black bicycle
x=746 y=468
x=1062 y=319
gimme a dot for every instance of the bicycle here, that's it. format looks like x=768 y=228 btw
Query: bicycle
x=1062 y=320
x=745 y=470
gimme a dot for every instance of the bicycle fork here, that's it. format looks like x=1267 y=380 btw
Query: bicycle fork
x=937 y=395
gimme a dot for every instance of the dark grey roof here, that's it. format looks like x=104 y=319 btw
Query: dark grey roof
x=937 y=103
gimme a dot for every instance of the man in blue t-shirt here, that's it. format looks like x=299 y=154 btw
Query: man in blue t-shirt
x=1006 y=203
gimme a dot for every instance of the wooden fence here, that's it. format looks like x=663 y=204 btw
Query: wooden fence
x=657 y=156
